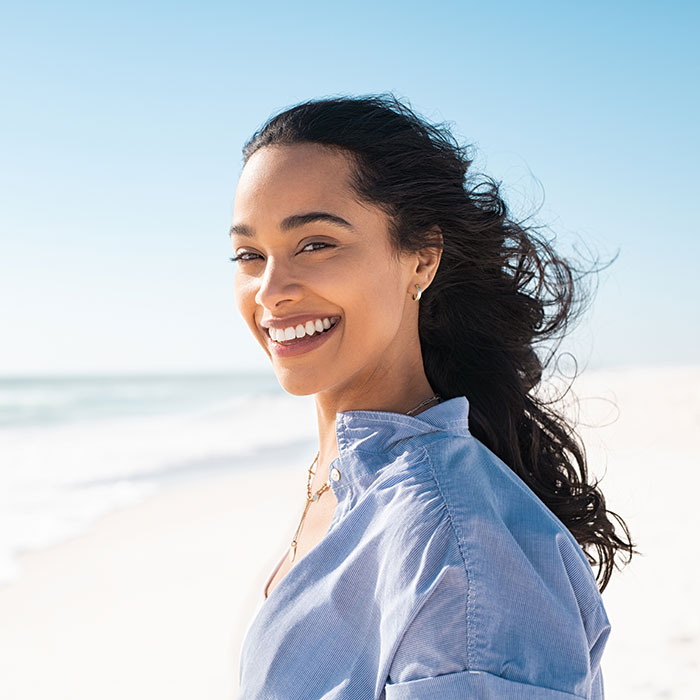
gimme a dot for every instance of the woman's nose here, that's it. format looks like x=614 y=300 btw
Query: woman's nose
x=277 y=285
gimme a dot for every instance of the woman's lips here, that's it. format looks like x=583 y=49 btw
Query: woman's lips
x=299 y=346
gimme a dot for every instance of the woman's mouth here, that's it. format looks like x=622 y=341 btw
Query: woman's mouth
x=295 y=340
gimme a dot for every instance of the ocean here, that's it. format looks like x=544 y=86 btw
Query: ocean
x=75 y=448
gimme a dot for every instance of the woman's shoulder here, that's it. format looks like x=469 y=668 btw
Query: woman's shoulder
x=491 y=549
x=458 y=477
x=453 y=492
x=493 y=511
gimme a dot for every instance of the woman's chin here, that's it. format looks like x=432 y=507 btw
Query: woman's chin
x=296 y=385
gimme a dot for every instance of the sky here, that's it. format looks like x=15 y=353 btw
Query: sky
x=120 y=149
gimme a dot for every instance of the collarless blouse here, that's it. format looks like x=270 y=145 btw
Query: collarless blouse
x=441 y=575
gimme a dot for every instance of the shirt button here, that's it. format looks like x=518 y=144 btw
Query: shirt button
x=335 y=474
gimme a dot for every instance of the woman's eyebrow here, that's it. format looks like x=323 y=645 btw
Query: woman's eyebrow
x=295 y=221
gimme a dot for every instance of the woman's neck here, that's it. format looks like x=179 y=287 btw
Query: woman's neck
x=395 y=396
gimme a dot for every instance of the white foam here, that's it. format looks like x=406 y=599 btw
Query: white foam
x=55 y=480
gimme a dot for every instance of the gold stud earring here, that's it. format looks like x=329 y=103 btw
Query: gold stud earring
x=416 y=297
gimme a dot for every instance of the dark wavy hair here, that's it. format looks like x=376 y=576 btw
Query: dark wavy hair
x=500 y=291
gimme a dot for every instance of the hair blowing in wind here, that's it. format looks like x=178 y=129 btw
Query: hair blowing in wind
x=500 y=293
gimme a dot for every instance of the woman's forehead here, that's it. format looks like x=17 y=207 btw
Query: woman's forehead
x=282 y=180
x=306 y=162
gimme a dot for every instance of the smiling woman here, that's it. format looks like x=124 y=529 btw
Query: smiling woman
x=446 y=543
x=330 y=258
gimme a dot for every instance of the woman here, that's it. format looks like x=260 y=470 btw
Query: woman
x=441 y=550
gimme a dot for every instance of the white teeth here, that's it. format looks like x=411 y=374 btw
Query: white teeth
x=279 y=335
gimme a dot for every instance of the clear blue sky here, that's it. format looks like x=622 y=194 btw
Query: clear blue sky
x=122 y=124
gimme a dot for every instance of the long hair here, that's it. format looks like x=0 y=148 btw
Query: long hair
x=499 y=292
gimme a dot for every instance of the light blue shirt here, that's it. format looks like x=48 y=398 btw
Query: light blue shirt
x=441 y=575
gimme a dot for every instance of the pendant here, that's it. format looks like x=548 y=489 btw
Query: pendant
x=292 y=550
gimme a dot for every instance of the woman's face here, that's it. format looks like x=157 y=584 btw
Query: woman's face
x=298 y=274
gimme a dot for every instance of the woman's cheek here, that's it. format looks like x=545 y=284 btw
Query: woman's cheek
x=243 y=292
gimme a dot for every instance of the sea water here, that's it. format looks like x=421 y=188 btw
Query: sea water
x=74 y=448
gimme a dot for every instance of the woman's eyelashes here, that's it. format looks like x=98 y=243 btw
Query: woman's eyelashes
x=243 y=257
x=246 y=256
x=321 y=243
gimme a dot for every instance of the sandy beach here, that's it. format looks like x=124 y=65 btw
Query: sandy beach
x=153 y=601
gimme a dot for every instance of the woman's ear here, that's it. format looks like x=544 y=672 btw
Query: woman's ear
x=428 y=258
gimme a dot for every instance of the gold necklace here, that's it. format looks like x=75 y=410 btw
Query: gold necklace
x=423 y=403
x=310 y=498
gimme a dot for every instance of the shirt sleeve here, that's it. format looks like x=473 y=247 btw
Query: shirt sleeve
x=471 y=685
x=432 y=660
x=547 y=655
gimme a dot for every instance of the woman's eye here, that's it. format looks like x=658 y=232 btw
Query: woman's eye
x=317 y=243
x=308 y=248
x=244 y=257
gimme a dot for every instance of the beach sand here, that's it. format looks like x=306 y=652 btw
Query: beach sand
x=153 y=601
